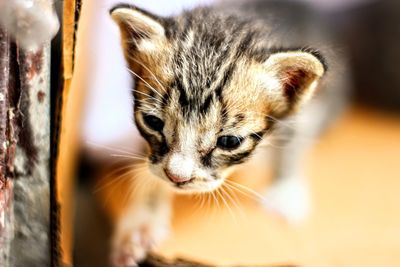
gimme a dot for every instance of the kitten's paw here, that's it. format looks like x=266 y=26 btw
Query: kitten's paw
x=290 y=198
x=131 y=246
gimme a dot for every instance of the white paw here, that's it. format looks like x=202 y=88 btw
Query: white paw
x=290 y=198
x=131 y=244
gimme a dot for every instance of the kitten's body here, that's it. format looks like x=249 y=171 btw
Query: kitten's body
x=212 y=75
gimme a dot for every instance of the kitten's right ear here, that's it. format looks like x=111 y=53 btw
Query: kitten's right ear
x=139 y=29
x=295 y=74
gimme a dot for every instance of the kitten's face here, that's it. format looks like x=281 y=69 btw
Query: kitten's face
x=195 y=137
x=205 y=92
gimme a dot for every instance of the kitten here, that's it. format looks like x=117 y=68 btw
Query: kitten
x=211 y=84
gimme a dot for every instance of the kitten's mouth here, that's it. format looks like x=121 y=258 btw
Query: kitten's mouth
x=193 y=188
x=196 y=185
x=193 y=185
x=182 y=185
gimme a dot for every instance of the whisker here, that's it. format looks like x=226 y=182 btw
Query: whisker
x=114 y=180
x=119 y=180
x=124 y=169
x=243 y=189
x=202 y=201
x=144 y=66
x=133 y=187
x=197 y=198
x=232 y=199
x=146 y=83
x=96 y=189
x=112 y=148
x=215 y=199
x=128 y=156
x=145 y=103
x=151 y=97
x=269 y=144
x=227 y=205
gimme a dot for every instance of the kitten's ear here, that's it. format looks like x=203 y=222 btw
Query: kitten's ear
x=139 y=29
x=297 y=74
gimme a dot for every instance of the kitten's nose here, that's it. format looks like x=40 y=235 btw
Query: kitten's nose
x=177 y=179
x=179 y=168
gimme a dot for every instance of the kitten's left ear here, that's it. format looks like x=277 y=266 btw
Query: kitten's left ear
x=140 y=30
x=296 y=73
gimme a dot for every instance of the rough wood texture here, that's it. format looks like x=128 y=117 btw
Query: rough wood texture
x=7 y=148
x=31 y=184
x=24 y=183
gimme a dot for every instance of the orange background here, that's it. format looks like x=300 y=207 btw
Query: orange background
x=354 y=172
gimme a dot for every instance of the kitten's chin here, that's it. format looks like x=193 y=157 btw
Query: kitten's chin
x=196 y=188
x=192 y=187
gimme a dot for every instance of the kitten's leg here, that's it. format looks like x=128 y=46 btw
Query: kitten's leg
x=289 y=193
x=143 y=224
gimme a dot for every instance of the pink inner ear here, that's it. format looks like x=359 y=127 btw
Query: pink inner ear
x=293 y=83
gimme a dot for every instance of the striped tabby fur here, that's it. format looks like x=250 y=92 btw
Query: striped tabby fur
x=229 y=71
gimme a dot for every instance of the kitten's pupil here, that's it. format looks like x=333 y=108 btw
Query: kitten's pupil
x=229 y=142
x=153 y=122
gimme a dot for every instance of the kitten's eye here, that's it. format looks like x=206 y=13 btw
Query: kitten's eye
x=229 y=142
x=153 y=122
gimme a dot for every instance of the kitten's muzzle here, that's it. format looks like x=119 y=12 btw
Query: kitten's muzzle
x=179 y=180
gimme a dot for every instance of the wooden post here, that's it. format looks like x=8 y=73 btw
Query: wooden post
x=24 y=154
x=6 y=226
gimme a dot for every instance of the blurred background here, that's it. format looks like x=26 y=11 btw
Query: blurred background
x=353 y=168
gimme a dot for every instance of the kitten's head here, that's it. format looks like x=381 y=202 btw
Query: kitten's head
x=207 y=86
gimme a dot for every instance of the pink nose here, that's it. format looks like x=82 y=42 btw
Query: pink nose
x=175 y=178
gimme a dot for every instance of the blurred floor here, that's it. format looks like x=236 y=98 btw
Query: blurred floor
x=355 y=179
x=354 y=172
